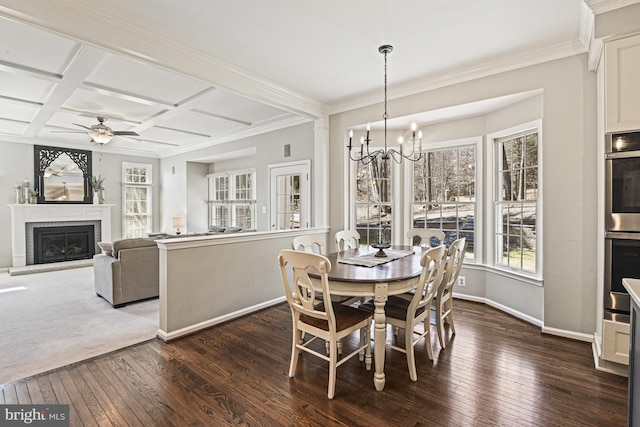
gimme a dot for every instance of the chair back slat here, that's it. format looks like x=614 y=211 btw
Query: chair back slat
x=301 y=295
x=433 y=264
x=308 y=243
x=346 y=239
x=455 y=257
x=425 y=236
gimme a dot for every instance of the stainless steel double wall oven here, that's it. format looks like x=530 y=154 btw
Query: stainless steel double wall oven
x=622 y=220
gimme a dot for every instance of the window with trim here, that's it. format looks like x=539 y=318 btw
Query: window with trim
x=516 y=202
x=373 y=201
x=444 y=193
x=136 y=197
x=232 y=199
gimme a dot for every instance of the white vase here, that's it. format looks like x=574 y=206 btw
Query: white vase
x=96 y=198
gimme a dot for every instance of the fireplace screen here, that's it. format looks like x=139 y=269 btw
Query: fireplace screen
x=55 y=244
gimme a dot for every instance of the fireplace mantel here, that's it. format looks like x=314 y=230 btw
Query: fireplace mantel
x=26 y=213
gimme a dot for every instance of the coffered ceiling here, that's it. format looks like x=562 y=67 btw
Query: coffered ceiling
x=185 y=75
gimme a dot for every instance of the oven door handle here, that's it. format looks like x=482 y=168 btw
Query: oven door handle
x=621 y=235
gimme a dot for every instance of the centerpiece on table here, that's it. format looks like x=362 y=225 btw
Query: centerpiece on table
x=97 y=184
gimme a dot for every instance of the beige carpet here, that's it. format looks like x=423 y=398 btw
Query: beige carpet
x=58 y=319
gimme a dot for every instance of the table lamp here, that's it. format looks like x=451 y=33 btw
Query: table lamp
x=177 y=222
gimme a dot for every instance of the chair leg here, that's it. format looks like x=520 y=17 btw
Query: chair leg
x=427 y=338
x=411 y=357
x=440 y=325
x=294 y=352
x=333 y=360
x=326 y=344
x=449 y=317
x=367 y=349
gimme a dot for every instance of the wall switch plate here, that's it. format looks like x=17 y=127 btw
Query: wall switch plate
x=462 y=281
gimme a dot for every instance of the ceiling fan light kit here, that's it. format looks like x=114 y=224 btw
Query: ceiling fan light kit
x=101 y=133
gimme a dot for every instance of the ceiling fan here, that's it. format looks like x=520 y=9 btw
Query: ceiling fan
x=101 y=133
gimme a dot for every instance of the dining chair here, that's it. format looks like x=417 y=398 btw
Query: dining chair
x=346 y=239
x=308 y=243
x=329 y=321
x=444 y=296
x=407 y=314
x=425 y=237
x=312 y=244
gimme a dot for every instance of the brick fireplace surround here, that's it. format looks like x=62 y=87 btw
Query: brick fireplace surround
x=21 y=215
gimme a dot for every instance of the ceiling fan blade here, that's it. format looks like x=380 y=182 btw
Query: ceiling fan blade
x=82 y=126
x=68 y=131
x=125 y=133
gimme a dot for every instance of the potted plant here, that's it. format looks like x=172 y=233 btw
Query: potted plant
x=98 y=189
x=33 y=196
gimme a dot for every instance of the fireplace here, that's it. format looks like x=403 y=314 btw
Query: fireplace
x=63 y=243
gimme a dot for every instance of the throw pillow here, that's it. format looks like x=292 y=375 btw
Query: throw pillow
x=106 y=247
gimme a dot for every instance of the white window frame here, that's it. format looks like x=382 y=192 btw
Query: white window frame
x=126 y=183
x=230 y=203
x=491 y=207
x=479 y=193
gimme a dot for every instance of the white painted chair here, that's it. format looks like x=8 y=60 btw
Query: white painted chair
x=444 y=296
x=309 y=244
x=407 y=314
x=425 y=236
x=328 y=321
x=347 y=239
x=312 y=245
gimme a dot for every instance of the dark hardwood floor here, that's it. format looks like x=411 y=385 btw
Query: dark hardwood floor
x=497 y=370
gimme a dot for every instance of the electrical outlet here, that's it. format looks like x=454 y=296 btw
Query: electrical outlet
x=462 y=281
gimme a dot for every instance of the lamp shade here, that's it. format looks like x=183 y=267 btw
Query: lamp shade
x=177 y=221
x=101 y=138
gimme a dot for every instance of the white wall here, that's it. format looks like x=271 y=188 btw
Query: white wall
x=197 y=219
x=568 y=112
x=269 y=149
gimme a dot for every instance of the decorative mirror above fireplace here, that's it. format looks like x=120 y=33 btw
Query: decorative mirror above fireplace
x=62 y=175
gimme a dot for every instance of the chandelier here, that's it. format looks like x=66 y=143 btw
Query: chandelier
x=364 y=155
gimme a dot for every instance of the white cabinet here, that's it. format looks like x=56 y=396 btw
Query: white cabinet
x=615 y=342
x=622 y=84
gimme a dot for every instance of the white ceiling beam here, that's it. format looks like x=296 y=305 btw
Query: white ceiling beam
x=83 y=22
x=81 y=65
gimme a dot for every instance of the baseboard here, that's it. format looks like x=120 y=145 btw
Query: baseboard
x=169 y=336
x=606 y=366
x=567 y=334
x=529 y=319
x=54 y=266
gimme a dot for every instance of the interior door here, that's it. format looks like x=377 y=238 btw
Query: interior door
x=290 y=200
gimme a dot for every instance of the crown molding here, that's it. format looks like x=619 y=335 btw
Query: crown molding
x=603 y=6
x=477 y=71
x=84 y=22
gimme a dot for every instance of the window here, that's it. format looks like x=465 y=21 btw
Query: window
x=444 y=193
x=232 y=199
x=373 y=201
x=516 y=201
x=136 y=178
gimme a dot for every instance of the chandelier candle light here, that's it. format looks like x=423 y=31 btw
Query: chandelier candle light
x=385 y=153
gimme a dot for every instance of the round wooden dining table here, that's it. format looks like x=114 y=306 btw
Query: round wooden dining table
x=391 y=278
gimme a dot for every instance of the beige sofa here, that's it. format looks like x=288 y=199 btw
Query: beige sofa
x=127 y=270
